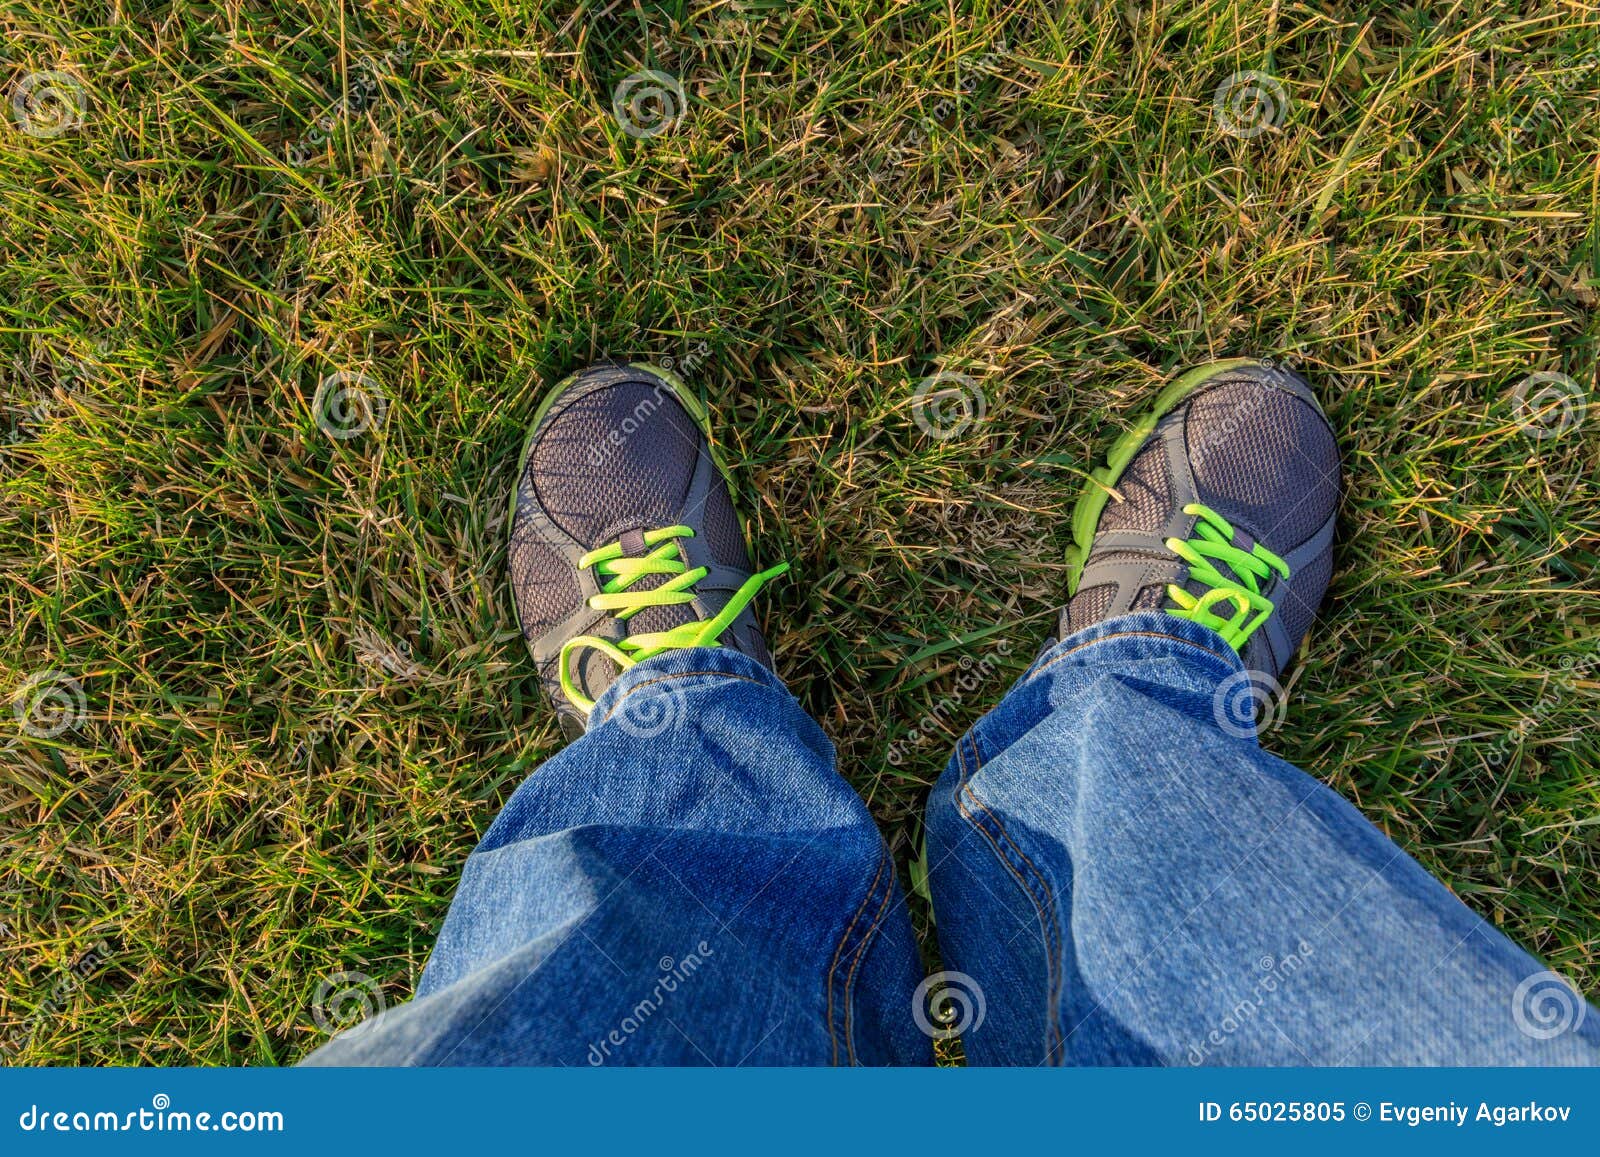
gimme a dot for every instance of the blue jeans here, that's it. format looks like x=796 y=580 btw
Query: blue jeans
x=1118 y=877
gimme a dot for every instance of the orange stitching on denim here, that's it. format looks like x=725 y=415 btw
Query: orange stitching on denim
x=866 y=900
x=861 y=954
x=833 y=1038
x=1049 y=923
x=983 y=830
x=678 y=675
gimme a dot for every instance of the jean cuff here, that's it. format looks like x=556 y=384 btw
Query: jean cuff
x=677 y=673
x=1141 y=635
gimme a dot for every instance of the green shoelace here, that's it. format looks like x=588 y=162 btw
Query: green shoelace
x=620 y=573
x=1211 y=543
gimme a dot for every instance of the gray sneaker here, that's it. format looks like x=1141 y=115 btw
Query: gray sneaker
x=624 y=540
x=1218 y=506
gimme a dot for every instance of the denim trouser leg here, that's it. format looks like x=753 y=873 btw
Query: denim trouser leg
x=689 y=883
x=1127 y=882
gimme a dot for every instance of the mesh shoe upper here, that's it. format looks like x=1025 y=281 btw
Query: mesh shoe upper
x=1252 y=445
x=617 y=454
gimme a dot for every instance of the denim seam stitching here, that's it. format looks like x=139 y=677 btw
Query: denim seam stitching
x=860 y=956
x=676 y=675
x=833 y=967
x=1048 y=921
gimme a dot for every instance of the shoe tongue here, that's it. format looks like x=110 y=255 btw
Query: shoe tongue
x=633 y=543
x=593 y=671
x=653 y=620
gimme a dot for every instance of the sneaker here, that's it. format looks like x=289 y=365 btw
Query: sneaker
x=624 y=540
x=1218 y=506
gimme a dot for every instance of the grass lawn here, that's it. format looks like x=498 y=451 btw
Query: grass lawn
x=265 y=650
